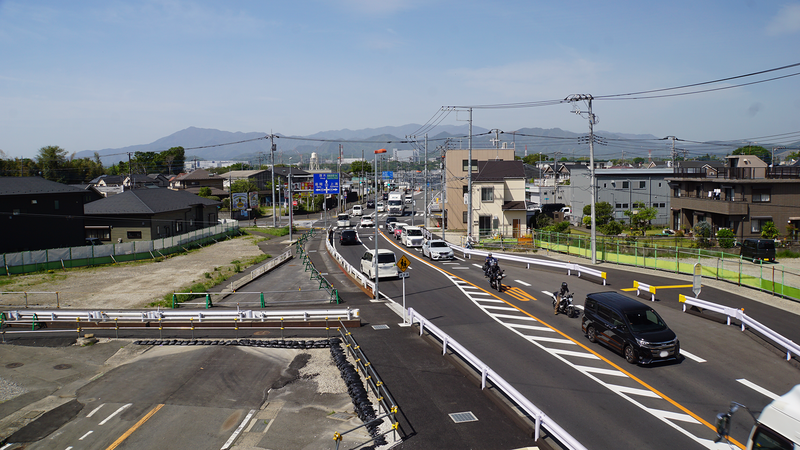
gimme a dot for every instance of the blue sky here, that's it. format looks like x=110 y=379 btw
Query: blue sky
x=88 y=75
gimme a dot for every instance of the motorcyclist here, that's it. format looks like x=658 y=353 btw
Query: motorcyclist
x=560 y=295
x=490 y=262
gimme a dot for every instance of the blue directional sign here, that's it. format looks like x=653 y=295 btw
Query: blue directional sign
x=388 y=175
x=326 y=183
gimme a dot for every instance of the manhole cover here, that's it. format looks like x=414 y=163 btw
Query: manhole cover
x=462 y=417
x=62 y=366
x=14 y=365
x=380 y=327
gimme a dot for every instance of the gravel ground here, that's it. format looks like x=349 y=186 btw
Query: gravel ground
x=127 y=285
x=325 y=374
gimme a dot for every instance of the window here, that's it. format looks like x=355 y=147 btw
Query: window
x=676 y=192
x=624 y=206
x=134 y=234
x=55 y=206
x=487 y=194
x=642 y=184
x=760 y=195
x=474 y=165
x=662 y=205
x=757 y=224
x=626 y=184
x=464 y=217
x=618 y=206
x=464 y=189
x=604 y=185
x=659 y=184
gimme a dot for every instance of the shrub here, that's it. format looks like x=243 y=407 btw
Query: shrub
x=726 y=238
x=611 y=228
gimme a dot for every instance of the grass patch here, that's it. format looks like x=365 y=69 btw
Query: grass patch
x=283 y=231
x=786 y=253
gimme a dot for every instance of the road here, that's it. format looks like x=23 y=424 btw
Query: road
x=588 y=389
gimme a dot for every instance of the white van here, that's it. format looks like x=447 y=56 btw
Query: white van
x=412 y=237
x=357 y=210
x=387 y=264
x=342 y=221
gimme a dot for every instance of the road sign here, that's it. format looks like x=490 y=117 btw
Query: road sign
x=403 y=263
x=697 y=279
x=326 y=183
x=403 y=274
x=388 y=174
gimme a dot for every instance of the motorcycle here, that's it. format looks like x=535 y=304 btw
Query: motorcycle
x=563 y=304
x=495 y=279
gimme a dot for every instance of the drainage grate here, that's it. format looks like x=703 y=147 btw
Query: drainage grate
x=380 y=327
x=462 y=417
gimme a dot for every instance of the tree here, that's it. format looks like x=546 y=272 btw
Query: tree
x=764 y=154
x=534 y=158
x=769 y=231
x=356 y=167
x=641 y=216
x=52 y=161
x=204 y=191
x=702 y=230
x=603 y=212
x=239 y=186
x=726 y=238
x=612 y=228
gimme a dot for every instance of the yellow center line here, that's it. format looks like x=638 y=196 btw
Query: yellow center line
x=636 y=379
x=138 y=424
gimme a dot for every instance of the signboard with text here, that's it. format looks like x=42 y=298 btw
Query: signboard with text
x=239 y=201
x=388 y=175
x=326 y=183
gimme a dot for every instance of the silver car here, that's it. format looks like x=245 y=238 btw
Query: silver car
x=437 y=249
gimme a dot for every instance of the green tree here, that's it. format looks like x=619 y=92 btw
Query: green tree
x=612 y=228
x=204 y=191
x=726 y=238
x=769 y=231
x=171 y=161
x=638 y=160
x=534 y=158
x=603 y=212
x=239 y=186
x=356 y=167
x=763 y=154
x=641 y=216
x=52 y=162
x=702 y=231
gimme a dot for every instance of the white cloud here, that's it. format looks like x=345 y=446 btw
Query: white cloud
x=787 y=21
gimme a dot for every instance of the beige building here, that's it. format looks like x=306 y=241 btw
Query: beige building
x=457 y=168
x=498 y=198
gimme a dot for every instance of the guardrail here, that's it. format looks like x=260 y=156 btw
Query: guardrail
x=308 y=266
x=29 y=316
x=352 y=271
x=541 y=420
x=645 y=287
x=569 y=267
x=257 y=272
x=746 y=321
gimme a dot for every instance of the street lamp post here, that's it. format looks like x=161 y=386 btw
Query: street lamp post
x=375 y=258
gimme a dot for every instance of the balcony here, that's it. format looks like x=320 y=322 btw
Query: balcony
x=710 y=205
x=740 y=173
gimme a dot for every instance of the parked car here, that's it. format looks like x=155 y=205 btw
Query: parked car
x=758 y=250
x=398 y=229
x=629 y=327
x=347 y=237
x=412 y=236
x=437 y=249
x=367 y=221
x=343 y=221
x=357 y=210
x=370 y=204
x=390 y=221
x=387 y=264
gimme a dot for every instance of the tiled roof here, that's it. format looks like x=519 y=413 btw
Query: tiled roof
x=499 y=170
x=514 y=205
x=146 y=201
x=33 y=185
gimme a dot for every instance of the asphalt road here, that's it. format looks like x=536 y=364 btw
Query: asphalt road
x=588 y=389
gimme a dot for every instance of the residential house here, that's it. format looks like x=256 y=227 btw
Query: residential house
x=200 y=178
x=742 y=196
x=457 y=168
x=38 y=214
x=149 y=214
x=498 y=198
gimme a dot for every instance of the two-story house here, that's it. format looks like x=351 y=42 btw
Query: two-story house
x=498 y=201
x=200 y=178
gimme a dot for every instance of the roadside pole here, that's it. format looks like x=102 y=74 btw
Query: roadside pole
x=403 y=264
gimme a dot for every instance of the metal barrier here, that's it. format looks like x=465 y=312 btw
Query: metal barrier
x=257 y=272
x=541 y=420
x=352 y=271
x=746 y=321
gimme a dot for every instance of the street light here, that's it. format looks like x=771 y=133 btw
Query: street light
x=375 y=258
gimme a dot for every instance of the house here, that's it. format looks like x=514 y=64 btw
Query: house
x=456 y=169
x=149 y=214
x=742 y=196
x=498 y=198
x=200 y=178
x=38 y=214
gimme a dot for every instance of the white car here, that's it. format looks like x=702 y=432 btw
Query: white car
x=409 y=198
x=367 y=221
x=387 y=264
x=342 y=221
x=412 y=236
x=357 y=210
x=437 y=249
x=381 y=207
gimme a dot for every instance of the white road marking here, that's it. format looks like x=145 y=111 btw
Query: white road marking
x=530 y=327
x=95 y=410
x=550 y=339
x=478 y=266
x=238 y=430
x=522 y=282
x=85 y=435
x=632 y=390
x=561 y=352
x=509 y=316
x=500 y=308
x=692 y=357
x=121 y=408
x=601 y=371
x=758 y=388
x=660 y=413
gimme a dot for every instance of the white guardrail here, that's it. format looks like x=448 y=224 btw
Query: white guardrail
x=354 y=272
x=208 y=315
x=569 y=267
x=541 y=419
x=258 y=271
x=789 y=346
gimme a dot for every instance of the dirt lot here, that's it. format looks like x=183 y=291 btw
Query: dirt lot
x=123 y=286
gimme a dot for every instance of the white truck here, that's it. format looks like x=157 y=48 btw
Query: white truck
x=776 y=427
x=395 y=205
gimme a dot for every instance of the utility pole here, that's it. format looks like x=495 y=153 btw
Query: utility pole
x=375 y=257
x=672 y=152
x=291 y=204
x=272 y=150
x=425 y=198
x=592 y=121
x=469 y=178
x=339 y=197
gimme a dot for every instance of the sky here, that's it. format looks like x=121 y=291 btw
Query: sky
x=90 y=75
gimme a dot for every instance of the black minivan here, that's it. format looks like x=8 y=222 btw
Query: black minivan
x=758 y=250
x=629 y=327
